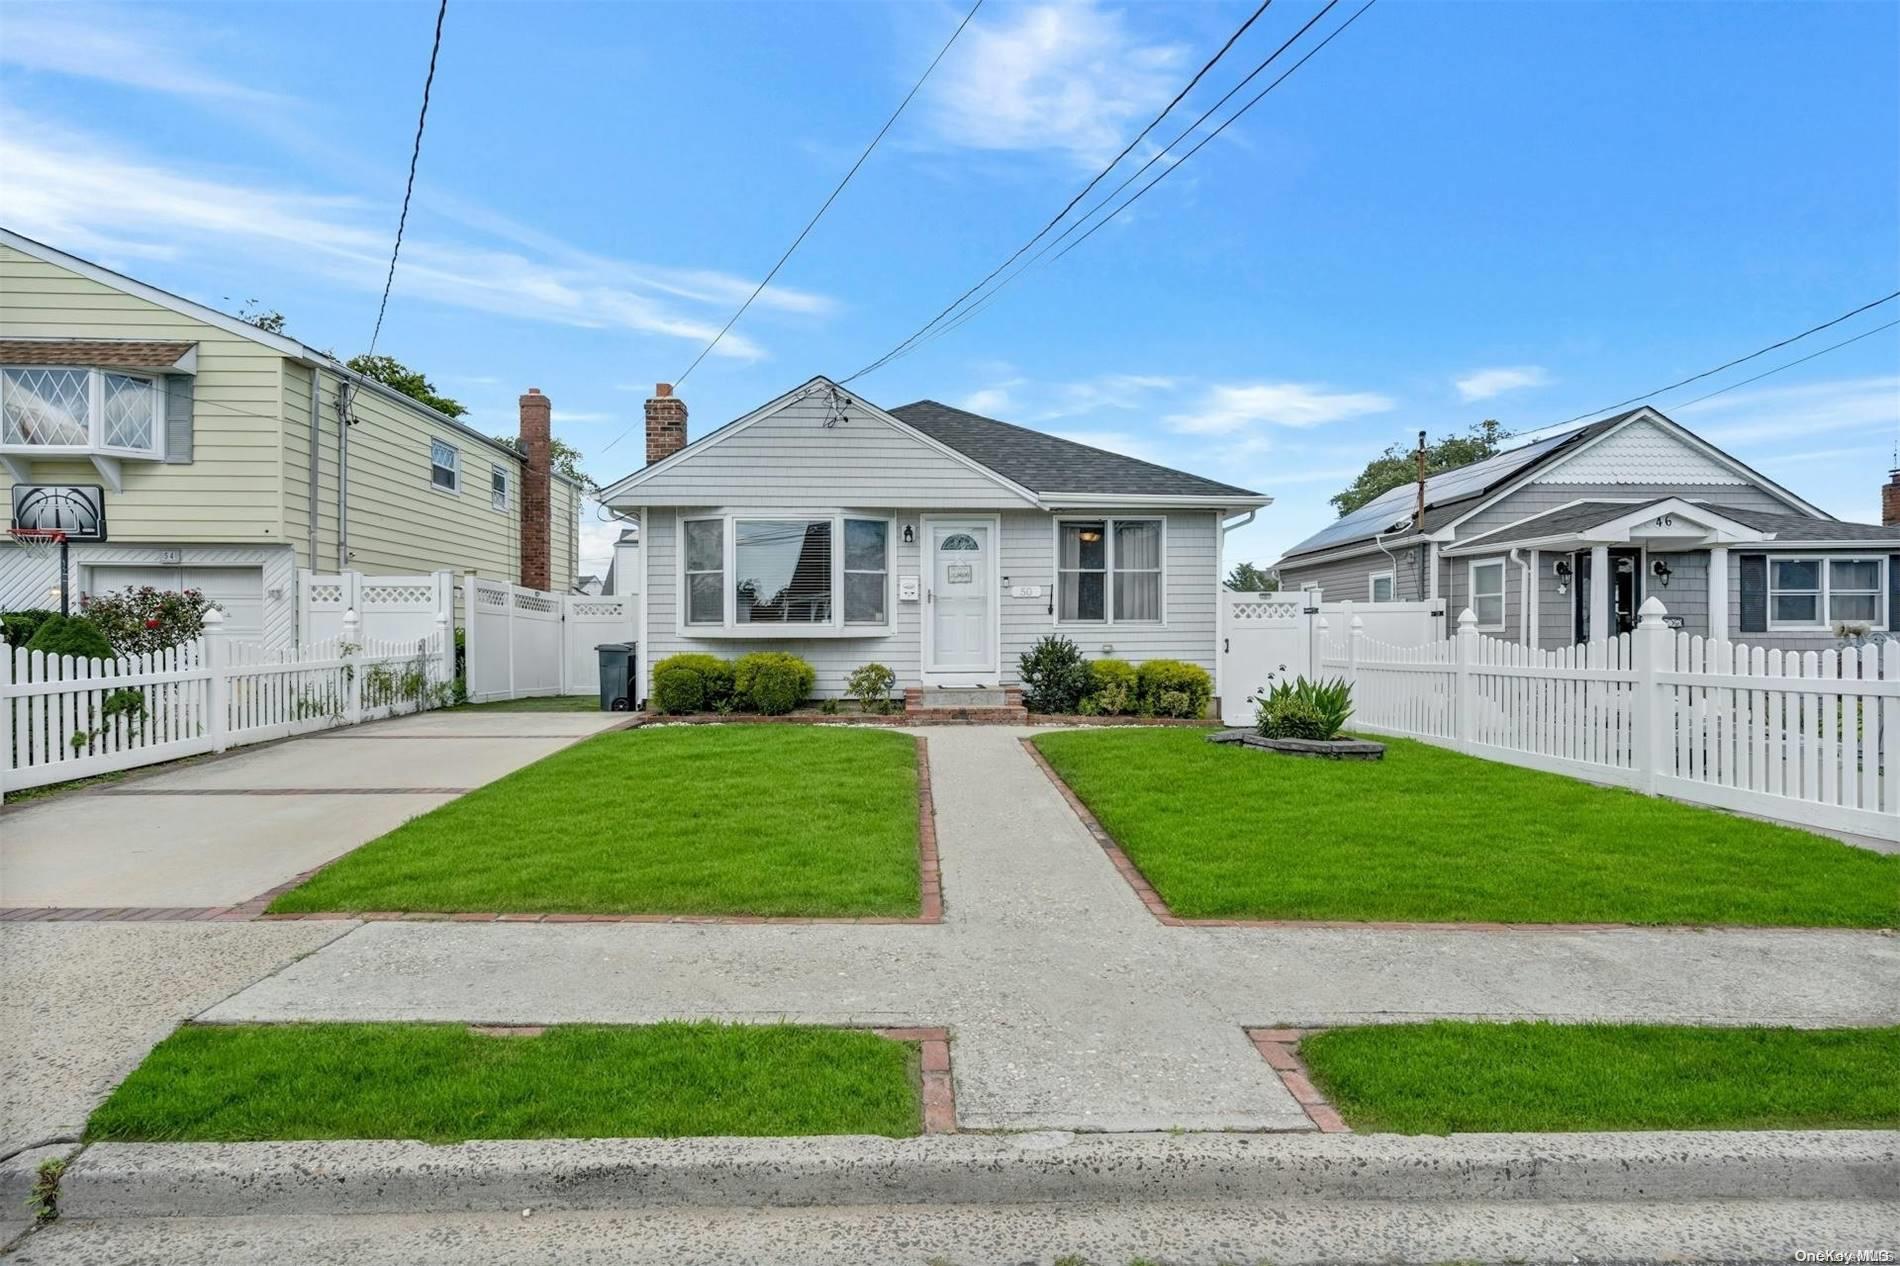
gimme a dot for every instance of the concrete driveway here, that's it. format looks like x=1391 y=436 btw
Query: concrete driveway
x=224 y=831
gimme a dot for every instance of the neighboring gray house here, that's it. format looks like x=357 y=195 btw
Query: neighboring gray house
x=1522 y=537
x=934 y=541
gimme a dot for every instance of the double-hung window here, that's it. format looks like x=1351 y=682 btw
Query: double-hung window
x=1487 y=594
x=81 y=410
x=498 y=488
x=1110 y=571
x=445 y=467
x=744 y=571
x=1818 y=592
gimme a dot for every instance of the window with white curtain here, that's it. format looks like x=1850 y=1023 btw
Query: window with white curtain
x=1816 y=592
x=1487 y=593
x=867 y=570
x=705 y=571
x=1110 y=571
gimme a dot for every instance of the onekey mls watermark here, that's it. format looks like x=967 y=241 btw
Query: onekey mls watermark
x=1846 y=1256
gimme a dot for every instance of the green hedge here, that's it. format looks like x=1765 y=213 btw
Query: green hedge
x=1172 y=688
x=70 y=635
x=18 y=627
x=769 y=682
x=773 y=682
x=692 y=682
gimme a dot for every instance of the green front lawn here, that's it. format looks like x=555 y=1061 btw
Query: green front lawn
x=715 y=820
x=1430 y=835
x=1458 y=1077
x=443 y=1083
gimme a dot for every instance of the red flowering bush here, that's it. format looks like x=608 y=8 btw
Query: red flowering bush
x=146 y=619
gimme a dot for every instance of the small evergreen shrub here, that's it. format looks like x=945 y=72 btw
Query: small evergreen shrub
x=1171 y=688
x=146 y=619
x=773 y=682
x=18 y=627
x=70 y=635
x=1302 y=709
x=1114 y=686
x=692 y=682
x=1055 y=676
x=871 y=687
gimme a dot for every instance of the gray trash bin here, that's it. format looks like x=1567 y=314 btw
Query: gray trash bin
x=616 y=676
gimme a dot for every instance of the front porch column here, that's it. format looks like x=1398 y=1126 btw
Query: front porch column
x=1602 y=584
x=1531 y=586
x=1718 y=592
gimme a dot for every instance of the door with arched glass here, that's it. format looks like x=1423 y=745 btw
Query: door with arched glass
x=959 y=621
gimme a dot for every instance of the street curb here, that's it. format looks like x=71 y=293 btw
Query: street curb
x=124 y=1180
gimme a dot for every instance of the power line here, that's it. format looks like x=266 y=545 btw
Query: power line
x=828 y=201
x=415 y=155
x=1093 y=181
x=1767 y=373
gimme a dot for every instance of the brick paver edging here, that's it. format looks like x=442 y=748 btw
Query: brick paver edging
x=930 y=893
x=1159 y=908
x=1281 y=1049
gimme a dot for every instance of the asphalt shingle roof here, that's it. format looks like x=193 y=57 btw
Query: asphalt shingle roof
x=1789 y=529
x=1800 y=527
x=1046 y=463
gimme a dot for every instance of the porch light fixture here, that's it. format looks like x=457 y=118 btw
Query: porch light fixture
x=1561 y=570
x=1661 y=571
x=910 y=537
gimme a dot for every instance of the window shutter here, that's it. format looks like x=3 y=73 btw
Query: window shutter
x=178 y=391
x=1893 y=588
x=1752 y=570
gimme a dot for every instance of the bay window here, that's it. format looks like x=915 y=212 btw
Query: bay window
x=81 y=410
x=1110 y=571
x=1818 y=592
x=761 y=572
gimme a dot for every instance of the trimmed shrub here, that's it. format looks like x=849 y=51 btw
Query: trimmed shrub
x=773 y=682
x=692 y=682
x=1302 y=709
x=1171 y=688
x=871 y=687
x=147 y=619
x=18 y=627
x=1055 y=676
x=1114 y=686
x=70 y=635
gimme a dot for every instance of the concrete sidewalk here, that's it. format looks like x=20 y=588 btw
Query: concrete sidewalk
x=1071 y=1006
x=219 y=832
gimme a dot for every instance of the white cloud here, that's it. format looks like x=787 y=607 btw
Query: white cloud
x=1030 y=403
x=69 y=190
x=990 y=400
x=1063 y=76
x=117 y=46
x=1482 y=384
x=1769 y=414
x=1224 y=410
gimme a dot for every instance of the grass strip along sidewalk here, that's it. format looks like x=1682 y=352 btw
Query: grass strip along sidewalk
x=1428 y=835
x=444 y=1083
x=1458 y=1077
x=769 y=820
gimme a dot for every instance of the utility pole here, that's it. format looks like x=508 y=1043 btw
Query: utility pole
x=1418 y=514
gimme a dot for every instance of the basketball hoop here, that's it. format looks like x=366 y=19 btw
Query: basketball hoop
x=46 y=543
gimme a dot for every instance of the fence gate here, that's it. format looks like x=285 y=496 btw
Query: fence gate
x=1265 y=637
x=524 y=642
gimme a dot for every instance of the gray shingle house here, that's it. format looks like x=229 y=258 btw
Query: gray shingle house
x=935 y=541
x=1559 y=540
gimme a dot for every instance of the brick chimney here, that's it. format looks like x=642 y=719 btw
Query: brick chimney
x=536 y=489
x=1889 y=499
x=666 y=423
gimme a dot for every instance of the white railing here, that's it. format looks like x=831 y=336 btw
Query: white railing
x=1811 y=738
x=63 y=718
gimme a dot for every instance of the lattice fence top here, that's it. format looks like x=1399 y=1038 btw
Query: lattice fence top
x=326 y=593
x=491 y=597
x=1283 y=610
x=613 y=608
x=536 y=602
x=392 y=595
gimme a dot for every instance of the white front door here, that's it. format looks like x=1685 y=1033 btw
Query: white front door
x=961 y=626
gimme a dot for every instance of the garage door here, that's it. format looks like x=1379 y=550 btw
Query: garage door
x=238 y=591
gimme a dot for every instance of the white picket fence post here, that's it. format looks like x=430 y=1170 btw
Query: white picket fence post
x=1355 y=634
x=217 y=657
x=1652 y=711
x=6 y=718
x=445 y=646
x=352 y=668
x=1464 y=691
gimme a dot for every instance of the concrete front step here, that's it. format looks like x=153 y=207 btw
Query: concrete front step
x=998 y=704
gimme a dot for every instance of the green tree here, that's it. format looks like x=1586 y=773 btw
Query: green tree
x=1246 y=578
x=269 y=320
x=1398 y=466
x=393 y=373
x=562 y=456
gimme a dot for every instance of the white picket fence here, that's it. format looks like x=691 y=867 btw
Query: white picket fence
x=1804 y=737
x=63 y=718
x=527 y=642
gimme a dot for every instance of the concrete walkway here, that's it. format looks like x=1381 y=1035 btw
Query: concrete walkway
x=1072 y=1008
x=219 y=832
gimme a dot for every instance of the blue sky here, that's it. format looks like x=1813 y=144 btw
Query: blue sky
x=1456 y=211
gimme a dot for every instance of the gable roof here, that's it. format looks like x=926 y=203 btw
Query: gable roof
x=1048 y=464
x=1453 y=495
x=1039 y=468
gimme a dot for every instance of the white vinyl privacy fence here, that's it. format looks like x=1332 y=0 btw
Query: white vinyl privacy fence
x=526 y=642
x=63 y=718
x=1805 y=737
x=388 y=608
